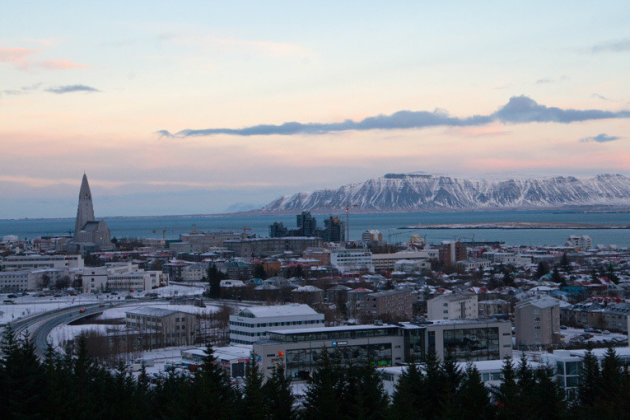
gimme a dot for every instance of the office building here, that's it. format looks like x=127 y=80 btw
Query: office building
x=252 y=323
x=299 y=351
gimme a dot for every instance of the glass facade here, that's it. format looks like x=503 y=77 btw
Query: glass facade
x=318 y=335
x=472 y=344
x=414 y=344
x=301 y=362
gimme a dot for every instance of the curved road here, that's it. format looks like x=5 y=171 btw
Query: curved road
x=39 y=326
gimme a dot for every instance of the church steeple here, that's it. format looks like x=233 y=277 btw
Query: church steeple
x=85 y=210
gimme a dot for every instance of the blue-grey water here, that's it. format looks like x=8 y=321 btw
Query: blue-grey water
x=151 y=227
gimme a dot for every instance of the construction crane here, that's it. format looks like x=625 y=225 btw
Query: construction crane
x=163 y=235
x=244 y=234
x=348 y=206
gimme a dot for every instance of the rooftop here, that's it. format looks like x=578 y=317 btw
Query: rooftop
x=150 y=311
x=278 y=310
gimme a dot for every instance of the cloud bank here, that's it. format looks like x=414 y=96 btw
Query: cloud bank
x=519 y=109
x=71 y=88
x=600 y=138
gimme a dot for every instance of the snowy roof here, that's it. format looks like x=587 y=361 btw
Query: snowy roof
x=151 y=311
x=307 y=289
x=543 y=302
x=279 y=310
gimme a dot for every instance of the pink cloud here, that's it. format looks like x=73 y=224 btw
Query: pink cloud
x=23 y=59
x=61 y=65
x=20 y=57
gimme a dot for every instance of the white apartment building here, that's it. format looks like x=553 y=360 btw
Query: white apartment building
x=16 y=281
x=387 y=261
x=583 y=242
x=352 y=259
x=194 y=272
x=136 y=280
x=120 y=277
x=453 y=307
x=34 y=262
x=252 y=323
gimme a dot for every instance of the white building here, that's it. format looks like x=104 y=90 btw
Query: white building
x=410 y=266
x=387 y=261
x=16 y=281
x=252 y=323
x=120 y=277
x=453 y=307
x=583 y=242
x=351 y=260
x=33 y=262
x=372 y=235
x=194 y=272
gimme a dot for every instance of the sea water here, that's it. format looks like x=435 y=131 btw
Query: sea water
x=388 y=223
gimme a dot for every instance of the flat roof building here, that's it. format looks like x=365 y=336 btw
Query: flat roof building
x=300 y=350
x=252 y=323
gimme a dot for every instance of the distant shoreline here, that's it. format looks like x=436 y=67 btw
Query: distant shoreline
x=515 y=225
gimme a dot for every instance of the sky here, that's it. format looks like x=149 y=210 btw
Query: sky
x=199 y=107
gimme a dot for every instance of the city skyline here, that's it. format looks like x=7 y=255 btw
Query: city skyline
x=464 y=90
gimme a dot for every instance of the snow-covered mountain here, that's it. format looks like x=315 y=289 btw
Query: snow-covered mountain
x=409 y=192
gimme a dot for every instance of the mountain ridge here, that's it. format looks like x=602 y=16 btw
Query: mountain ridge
x=400 y=192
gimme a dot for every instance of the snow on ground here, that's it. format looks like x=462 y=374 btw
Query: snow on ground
x=573 y=333
x=63 y=333
x=13 y=312
x=117 y=313
x=175 y=290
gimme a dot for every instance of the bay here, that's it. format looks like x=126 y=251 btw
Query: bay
x=387 y=223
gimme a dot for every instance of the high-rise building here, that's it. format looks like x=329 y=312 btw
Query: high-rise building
x=307 y=224
x=333 y=230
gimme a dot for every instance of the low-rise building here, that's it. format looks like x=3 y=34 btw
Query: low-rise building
x=453 y=307
x=34 y=262
x=537 y=322
x=299 y=351
x=252 y=323
x=388 y=304
x=162 y=327
x=352 y=260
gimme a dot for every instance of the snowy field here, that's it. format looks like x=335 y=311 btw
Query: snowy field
x=11 y=313
x=174 y=290
x=117 y=313
x=63 y=333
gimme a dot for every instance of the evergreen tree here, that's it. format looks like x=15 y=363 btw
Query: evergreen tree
x=556 y=277
x=590 y=377
x=363 y=396
x=541 y=270
x=21 y=378
x=507 y=394
x=473 y=397
x=259 y=272
x=212 y=394
x=451 y=383
x=546 y=399
x=214 y=277
x=253 y=406
x=277 y=392
x=322 y=399
x=407 y=400
x=433 y=397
